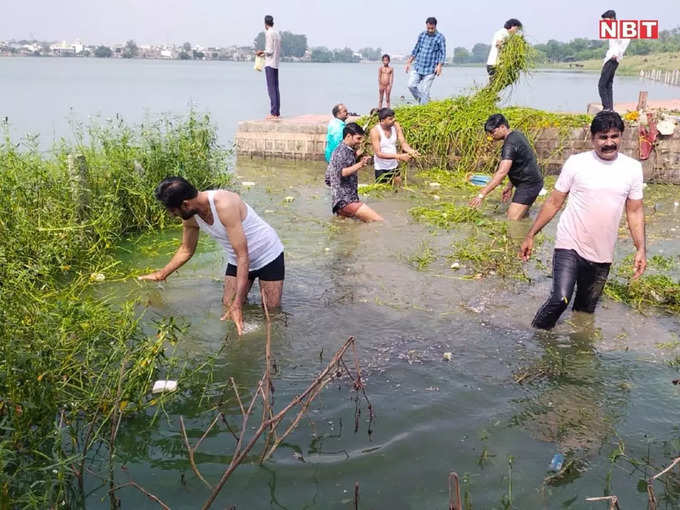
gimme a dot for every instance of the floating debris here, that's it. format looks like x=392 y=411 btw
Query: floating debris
x=164 y=386
x=248 y=184
x=97 y=277
x=448 y=356
x=289 y=199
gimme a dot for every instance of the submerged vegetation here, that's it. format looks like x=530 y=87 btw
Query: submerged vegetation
x=70 y=365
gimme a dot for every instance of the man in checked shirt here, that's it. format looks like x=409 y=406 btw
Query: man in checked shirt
x=429 y=55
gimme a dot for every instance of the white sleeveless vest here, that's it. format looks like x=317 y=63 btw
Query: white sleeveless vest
x=264 y=244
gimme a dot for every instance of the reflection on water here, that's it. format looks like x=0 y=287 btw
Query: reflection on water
x=590 y=383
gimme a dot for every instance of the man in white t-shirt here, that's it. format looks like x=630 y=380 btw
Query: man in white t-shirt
x=600 y=183
x=511 y=26
x=617 y=47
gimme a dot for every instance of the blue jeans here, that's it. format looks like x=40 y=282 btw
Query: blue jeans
x=569 y=270
x=419 y=85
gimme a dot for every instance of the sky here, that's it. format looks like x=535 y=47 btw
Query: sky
x=391 y=25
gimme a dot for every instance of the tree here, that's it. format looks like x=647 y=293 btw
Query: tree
x=103 y=52
x=461 y=55
x=322 y=54
x=371 y=53
x=480 y=52
x=183 y=55
x=259 y=42
x=198 y=54
x=187 y=47
x=130 y=49
x=293 y=45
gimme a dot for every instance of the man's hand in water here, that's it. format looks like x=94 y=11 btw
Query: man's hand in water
x=235 y=313
x=156 y=276
x=475 y=202
x=526 y=248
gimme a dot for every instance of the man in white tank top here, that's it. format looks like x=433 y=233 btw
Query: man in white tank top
x=384 y=138
x=253 y=248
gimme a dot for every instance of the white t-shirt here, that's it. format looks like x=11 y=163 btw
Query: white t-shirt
x=499 y=36
x=617 y=47
x=598 y=190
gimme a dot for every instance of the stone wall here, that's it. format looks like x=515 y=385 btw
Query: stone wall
x=304 y=138
x=663 y=165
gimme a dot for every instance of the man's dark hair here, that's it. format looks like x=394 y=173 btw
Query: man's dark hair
x=512 y=22
x=606 y=120
x=269 y=20
x=494 y=121
x=431 y=21
x=386 y=55
x=172 y=191
x=336 y=109
x=383 y=113
x=610 y=14
x=353 y=129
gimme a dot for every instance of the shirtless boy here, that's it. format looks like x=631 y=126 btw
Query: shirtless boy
x=385 y=80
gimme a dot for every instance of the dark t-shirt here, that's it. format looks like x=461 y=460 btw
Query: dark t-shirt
x=344 y=190
x=524 y=169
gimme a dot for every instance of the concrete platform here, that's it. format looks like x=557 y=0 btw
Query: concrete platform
x=302 y=137
x=652 y=105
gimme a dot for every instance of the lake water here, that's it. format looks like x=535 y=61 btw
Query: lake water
x=40 y=95
x=600 y=388
x=611 y=385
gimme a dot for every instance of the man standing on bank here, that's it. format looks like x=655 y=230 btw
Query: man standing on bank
x=335 y=128
x=253 y=248
x=518 y=162
x=429 y=55
x=511 y=26
x=272 y=55
x=617 y=47
x=600 y=183
x=384 y=137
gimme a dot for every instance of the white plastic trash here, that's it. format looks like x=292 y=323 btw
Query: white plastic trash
x=163 y=386
x=248 y=183
x=543 y=192
x=259 y=63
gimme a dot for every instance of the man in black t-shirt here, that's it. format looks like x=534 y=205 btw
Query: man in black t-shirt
x=518 y=162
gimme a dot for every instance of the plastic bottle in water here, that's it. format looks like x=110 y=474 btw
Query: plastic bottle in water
x=557 y=462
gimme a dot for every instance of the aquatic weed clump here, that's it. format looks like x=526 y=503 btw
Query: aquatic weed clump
x=515 y=57
x=71 y=366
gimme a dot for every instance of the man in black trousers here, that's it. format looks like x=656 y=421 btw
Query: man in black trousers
x=272 y=55
x=617 y=48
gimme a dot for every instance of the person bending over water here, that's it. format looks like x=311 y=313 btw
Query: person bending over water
x=341 y=176
x=253 y=248
x=518 y=162
x=600 y=184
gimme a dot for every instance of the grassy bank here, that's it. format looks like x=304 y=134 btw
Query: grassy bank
x=631 y=64
x=72 y=367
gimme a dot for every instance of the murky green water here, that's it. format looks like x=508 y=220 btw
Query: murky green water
x=589 y=389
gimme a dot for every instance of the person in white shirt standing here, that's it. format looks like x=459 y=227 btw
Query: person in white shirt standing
x=272 y=55
x=511 y=26
x=599 y=183
x=617 y=47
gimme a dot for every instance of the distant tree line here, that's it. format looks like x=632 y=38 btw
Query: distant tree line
x=292 y=45
x=578 y=49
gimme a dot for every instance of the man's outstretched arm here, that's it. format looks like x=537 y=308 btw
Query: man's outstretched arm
x=190 y=232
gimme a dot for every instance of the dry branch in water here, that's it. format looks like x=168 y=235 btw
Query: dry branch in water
x=335 y=368
x=613 y=501
x=454 y=492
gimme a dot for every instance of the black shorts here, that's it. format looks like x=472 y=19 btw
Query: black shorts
x=526 y=192
x=386 y=175
x=272 y=272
